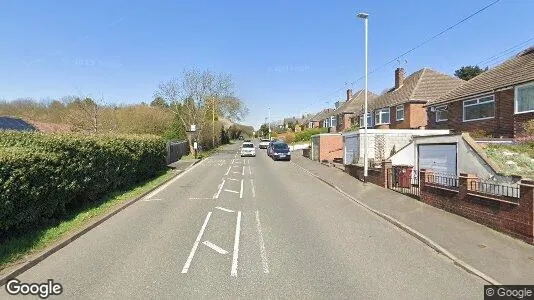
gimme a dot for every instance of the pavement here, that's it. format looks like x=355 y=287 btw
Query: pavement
x=232 y=227
x=503 y=258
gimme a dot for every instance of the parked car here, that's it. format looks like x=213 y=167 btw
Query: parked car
x=280 y=151
x=248 y=149
x=264 y=143
x=270 y=147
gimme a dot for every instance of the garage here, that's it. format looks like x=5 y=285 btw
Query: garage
x=441 y=158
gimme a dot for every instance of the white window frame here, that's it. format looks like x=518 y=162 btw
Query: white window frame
x=530 y=84
x=378 y=116
x=440 y=108
x=333 y=120
x=478 y=103
x=397 y=109
x=369 y=124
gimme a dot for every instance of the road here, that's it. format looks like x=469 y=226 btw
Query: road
x=250 y=228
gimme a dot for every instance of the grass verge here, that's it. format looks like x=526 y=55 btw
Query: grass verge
x=14 y=249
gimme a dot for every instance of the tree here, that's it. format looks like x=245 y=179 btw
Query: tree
x=84 y=114
x=264 y=130
x=158 y=102
x=468 y=72
x=197 y=97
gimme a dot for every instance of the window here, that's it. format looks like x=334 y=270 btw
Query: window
x=369 y=120
x=441 y=113
x=524 y=98
x=382 y=116
x=479 y=109
x=333 y=121
x=400 y=112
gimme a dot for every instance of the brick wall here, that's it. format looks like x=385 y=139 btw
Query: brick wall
x=505 y=123
x=519 y=123
x=330 y=147
x=374 y=175
x=493 y=211
x=414 y=117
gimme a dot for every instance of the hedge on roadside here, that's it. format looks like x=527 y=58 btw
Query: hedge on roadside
x=43 y=177
x=305 y=136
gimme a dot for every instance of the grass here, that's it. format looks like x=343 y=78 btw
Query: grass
x=14 y=249
x=521 y=154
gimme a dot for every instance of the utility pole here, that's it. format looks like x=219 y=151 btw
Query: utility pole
x=213 y=123
x=269 y=123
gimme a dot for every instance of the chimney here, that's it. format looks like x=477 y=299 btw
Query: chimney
x=349 y=94
x=399 y=77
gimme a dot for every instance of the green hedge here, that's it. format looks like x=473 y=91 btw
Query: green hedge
x=43 y=177
x=305 y=136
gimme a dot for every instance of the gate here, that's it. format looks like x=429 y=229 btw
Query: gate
x=404 y=180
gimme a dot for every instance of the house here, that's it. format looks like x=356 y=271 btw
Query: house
x=321 y=119
x=346 y=114
x=402 y=107
x=497 y=102
x=12 y=123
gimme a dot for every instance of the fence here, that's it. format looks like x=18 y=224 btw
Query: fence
x=404 y=180
x=176 y=149
x=494 y=189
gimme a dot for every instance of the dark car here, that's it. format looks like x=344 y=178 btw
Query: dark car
x=270 y=147
x=280 y=151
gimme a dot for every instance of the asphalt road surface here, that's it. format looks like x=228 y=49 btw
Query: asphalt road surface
x=237 y=227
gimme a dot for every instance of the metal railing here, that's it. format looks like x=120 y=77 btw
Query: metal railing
x=405 y=181
x=494 y=189
x=446 y=180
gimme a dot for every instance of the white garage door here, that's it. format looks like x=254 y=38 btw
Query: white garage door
x=440 y=158
x=351 y=147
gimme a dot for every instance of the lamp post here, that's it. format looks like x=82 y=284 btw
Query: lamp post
x=365 y=18
x=269 y=123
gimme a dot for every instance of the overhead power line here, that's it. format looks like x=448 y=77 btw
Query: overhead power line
x=415 y=47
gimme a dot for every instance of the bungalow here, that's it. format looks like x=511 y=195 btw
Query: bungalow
x=402 y=107
x=322 y=119
x=13 y=123
x=497 y=102
x=346 y=113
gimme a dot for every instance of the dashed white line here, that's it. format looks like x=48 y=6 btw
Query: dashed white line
x=216 y=196
x=233 y=179
x=149 y=200
x=243 y=171
x=241 y=192
x=233 y=272
x=253 y=189
x=200 y=198
x=263 y=253
x=215 y=247
x=224 y=209
x=229 y=168
x=249 y=170
x=195 y=245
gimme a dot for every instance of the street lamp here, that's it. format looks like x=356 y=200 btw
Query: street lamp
x=365 y=18
x=269 y=123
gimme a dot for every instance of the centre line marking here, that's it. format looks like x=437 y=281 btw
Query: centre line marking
x=253 y=189
x=243 y=171
x=215 y=247
x=236 y=245
x=233 y=179
x=241 y=192
x=236 y=192
x=195 y=245
x=228 y=171
x=264 y=260
x=249 y=170
x=216 y=196
x=224 y=209
x=199 y=198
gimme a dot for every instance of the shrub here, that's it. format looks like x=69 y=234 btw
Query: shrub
x=305 y=136
x=45 y=176
x=529 y=128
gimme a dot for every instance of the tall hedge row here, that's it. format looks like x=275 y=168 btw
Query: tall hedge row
x=43 y=177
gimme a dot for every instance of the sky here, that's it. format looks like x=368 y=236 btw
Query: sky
x=292 y=56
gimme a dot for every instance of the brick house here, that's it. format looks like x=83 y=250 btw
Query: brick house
x=402 y=107
x=497 y=102
x=322 y=119
x=346 y=113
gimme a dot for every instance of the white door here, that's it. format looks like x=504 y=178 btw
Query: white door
x=441 y=158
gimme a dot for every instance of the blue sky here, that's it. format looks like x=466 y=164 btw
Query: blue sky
x=290 y=55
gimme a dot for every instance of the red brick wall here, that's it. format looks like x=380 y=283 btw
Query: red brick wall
x=374 y=176
x=505 y=123
x=315 y=124
x=330 y=147
x=516 y=220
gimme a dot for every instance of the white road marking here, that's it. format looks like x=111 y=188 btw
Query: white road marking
x=224 y=209
x=149 y=200
x=241 y=192
x=263 y=254
x=243 y=171
x=166 y=185
x=216 y=196
x=232 y=161
x=236 y=172
x=253 y=189
x=236 y=245
x=249 y=170
x=229 y=168
x=233 y=179
x=244 y=162
x=215 y=247
x=236 y=192
x=195 y=245
x=200 y=198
